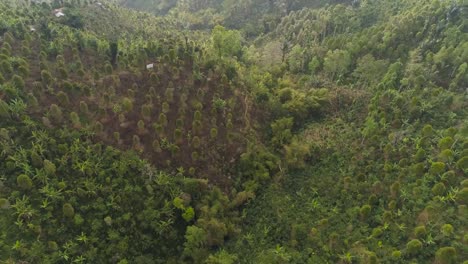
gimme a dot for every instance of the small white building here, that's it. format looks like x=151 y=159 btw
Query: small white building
x=58 y=12
x=150 y=66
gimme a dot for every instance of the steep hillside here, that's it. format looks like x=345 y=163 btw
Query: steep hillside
x=233 y=131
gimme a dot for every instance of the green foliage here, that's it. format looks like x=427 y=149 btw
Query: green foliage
x=337 y=63
x=4 y=109
x=447 y=230
x=18 y=82
x=281 y=131
x=438 y=189
x=414 y=247
x=446 y=255
x=462 y=163
x=68 y=210
x=365 y=210
x=24 y=182
x=420 y=231
x=437 y=168
x=49 y=168
x=446 y=143
x=226 y=42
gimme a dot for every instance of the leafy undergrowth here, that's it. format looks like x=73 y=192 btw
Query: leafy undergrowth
x=359 y=206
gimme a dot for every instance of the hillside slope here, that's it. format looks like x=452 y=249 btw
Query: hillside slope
x=233 y=132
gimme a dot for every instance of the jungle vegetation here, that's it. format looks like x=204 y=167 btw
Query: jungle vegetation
x=222 y=132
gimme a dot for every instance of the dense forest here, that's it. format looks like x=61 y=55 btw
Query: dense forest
x=223 y=132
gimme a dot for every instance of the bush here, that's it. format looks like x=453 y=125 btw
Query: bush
x=4 y=203
x=46 y=77
x=462 y=163
x=18 y=82
x=196 y=142
x=462 y=196
x=446 y=255
x=68 y=210
x=165 y=107
x=445 y=143
x=420 y=231
x=414 y=247
x=4 y=109
x=63 y=98
x=437 y=168
x=213 y=133
x=49 y=168
x=24 y=182
x=427 y=131
x=55 y=113
x=447 y=230
x=365 y=211
x=438 y=189
x=127 y=104
x=162 y=120
x=84 y=107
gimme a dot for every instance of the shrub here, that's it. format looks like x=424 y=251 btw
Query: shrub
x=196 y=126
x=36 y=160
x=49 y=168
x=6 y=68
x=413 y=247
x=55 y=113
x=23 y=71
x=446 y=255
x=179 y=123
x=146 y=111
x=141 y=126
x=165 y=108
x=427 y=131
x=84 y=107
x=437 y=168
x=446 y=155
x=46 y=77
x=365 y=211
x=4 y=203
x=377 y=232
x=419 y=231
x=162 y=120
x=63 y=98
x=157 y=146
x=62 y=73
x=462 y=163
x=213 y=133
x=178 y=134
x=116 y=136
x=169 y=95
x=4 y=109
x=195 y=156
x=396 y=254
x=75 y=119
x=98 y=127
x=438 y=189
x=68 y=210
x=24 y=182
x=18 y=82
x=188 y=214
x=395 y=189
x=197 y=115
x=127 y=104
x=446 y=143
x=447 y=230
x=462 y=196
x=196 y=142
